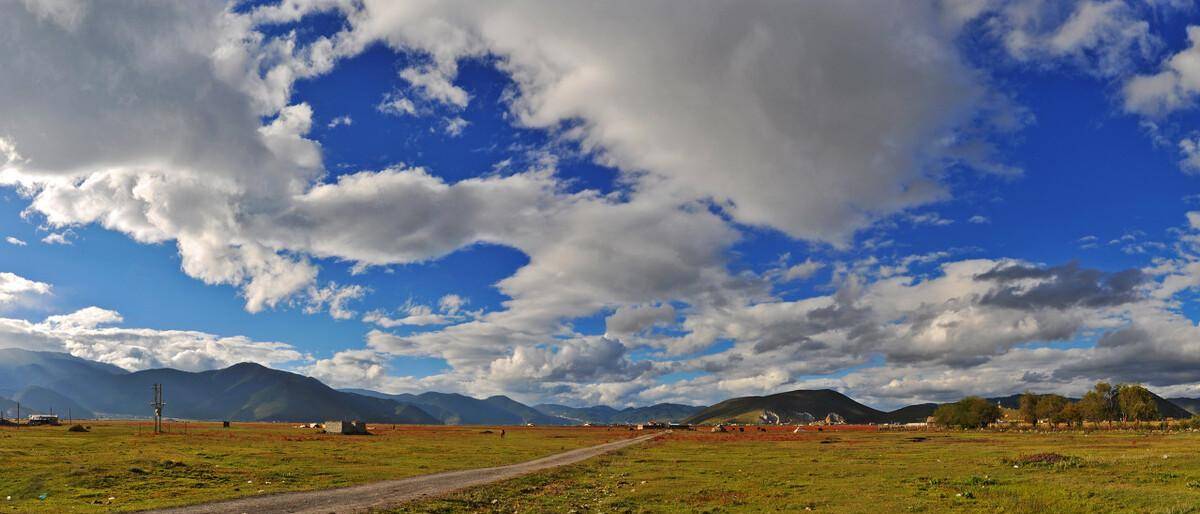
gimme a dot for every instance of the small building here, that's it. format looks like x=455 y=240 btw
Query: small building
x=346 y=427
x=43 y=419
x=652 y=425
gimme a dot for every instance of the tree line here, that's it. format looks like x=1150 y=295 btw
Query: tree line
x=1105 y=402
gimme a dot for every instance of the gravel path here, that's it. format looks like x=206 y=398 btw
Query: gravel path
x=379 y=495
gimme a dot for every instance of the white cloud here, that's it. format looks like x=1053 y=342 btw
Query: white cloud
x=826 y=134
x=14 y=241
x=15 y=287
x=334 y=298
x=434 y=84
x=455 y=126
x=1105 y=38
x=396 y=105
x=745 y=113
x=339 y=121
x=85 y=333
x=1190 y=148
x=1174 y=87
x=57 y=238
x=449 y=310
x=979 y=220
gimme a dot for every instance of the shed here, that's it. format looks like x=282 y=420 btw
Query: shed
x=346 y=427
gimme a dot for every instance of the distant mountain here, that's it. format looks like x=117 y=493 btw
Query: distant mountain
x=601 y=414
x=23 y=368
x=243 y=392
x=790 y=406
x=40 y=399
x=1191 y=405
x=8 y=410
x=912 y=414
x=457 y=409
x=1169 y=409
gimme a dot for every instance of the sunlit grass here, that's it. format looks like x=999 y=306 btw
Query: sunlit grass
x=123 y=466
x=865 y=472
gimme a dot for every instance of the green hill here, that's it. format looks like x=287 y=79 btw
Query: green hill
x=792 y=406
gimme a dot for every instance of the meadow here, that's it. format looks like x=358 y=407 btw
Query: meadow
x=123 y=466
x=864 y=471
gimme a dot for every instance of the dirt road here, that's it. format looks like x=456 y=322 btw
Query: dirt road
x=380 y=495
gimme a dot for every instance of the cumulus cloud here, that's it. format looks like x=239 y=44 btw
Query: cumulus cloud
x=1174 y=87
x=14 y=241
x=15 y=287
x=823 y=141
x=175 y=124
x=57 y=238
x=335 y=298
x=448 y=310
x=1069 y=285
x=1106 y=38
x=87 y=333
x=1190 y=149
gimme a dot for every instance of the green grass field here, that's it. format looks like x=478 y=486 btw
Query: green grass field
x=844 y=471
x=777 y=471
x=80 y=472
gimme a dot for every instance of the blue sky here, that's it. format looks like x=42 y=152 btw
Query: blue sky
x=562 y=206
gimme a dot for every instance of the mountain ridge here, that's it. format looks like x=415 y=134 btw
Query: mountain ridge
x=45 y=381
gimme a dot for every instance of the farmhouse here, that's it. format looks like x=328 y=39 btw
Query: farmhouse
x=346 y=427
x=652 y=425
x=43 y=419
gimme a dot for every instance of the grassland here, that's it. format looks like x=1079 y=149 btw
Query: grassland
x=847 y=471
x=121 y=466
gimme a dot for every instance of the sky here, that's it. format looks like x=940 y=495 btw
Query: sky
x=618 y=203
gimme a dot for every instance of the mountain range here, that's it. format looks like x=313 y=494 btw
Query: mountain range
x=804 y=405
x=801 y=405
x=457 y=409
x=45 y=382
x=603 y=414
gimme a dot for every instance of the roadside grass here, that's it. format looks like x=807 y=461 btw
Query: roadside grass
x=122 y=466
x=863 y=472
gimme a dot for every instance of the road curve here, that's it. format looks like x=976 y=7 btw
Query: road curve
x=380 y=495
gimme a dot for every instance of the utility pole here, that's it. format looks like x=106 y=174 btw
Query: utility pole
x=18 y=415
x=158 y=408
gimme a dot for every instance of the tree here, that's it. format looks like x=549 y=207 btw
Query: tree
x=1028 y=407
x=1050 y=407
x=1099 y=404
x=1136 y=403
x=969 y=412
x=1071 y=414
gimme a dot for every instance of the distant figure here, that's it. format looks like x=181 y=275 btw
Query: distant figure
x=502 y=433
x=741 y=429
